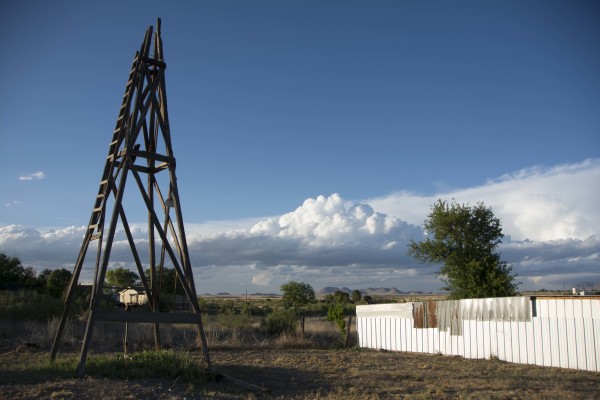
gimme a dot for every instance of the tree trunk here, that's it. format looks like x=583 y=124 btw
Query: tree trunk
x=348 y=331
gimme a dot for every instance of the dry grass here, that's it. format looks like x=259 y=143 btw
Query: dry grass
x=290 y=367
x=109 y=337
x=317 y=374
x=330 y=374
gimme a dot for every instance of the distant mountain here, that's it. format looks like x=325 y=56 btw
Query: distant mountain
x=331 y=290
x=382 y=291
x=258 y=294
x=370 y=291
x=588 y=286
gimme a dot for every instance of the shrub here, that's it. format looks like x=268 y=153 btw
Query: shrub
x=28 y=304
x=235 y=321
x=281 y=322
x=336 y=314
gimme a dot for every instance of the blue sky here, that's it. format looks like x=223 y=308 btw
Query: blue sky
x=390 y=104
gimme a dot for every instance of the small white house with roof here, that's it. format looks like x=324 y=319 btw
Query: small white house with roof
x=131 y=297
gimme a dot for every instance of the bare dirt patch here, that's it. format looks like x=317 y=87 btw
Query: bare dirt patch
x=313 y=373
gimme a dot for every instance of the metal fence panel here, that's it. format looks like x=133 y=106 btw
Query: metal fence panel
x=559 y=332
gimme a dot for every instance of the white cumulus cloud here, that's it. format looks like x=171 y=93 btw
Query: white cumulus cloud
x=51 y=247
x=549 y=215
x=326 y=231
x=537 y=203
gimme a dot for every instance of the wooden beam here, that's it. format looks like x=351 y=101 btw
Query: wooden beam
x=69 y=294
x=152 y=156
x=142 y=169
x=161 y=167
x=134 y=252
x=157 y=63
x=191 y=294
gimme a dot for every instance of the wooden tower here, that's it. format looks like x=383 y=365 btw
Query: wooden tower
x=140 y=149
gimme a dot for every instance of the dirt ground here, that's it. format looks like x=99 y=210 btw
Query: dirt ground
x=314 y=374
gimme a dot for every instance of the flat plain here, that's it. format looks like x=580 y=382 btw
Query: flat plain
x=309 y=373
x=309 y=366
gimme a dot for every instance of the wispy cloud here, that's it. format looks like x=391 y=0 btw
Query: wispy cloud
x=12 y=203
x=33 y=176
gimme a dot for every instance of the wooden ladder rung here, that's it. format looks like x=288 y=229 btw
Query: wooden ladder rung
x=96 y=236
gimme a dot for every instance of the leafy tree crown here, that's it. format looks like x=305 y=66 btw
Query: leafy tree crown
x=297 y=294
x=121 y=277
x=465 y=239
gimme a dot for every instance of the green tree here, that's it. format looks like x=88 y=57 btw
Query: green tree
x=341 y=297
x=337 y=310
x=170 y=281
x=297 y=295
x=121 y=278
x=12 y=272
x=57 y=281
x=335 y=314
x=465 y=240
x=356 y=296
x=43 y=278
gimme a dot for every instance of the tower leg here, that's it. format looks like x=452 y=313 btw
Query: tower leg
x=69 y=297
x=156 y=336
x=204 y=347
x=89 y=330
x=59 y=332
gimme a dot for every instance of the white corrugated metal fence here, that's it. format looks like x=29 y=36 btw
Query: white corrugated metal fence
x=548 y=331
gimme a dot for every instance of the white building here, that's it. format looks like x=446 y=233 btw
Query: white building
x=131 y=297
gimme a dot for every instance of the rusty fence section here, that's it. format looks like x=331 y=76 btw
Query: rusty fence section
x=549 y=331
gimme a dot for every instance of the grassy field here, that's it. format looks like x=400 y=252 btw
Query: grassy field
x=286 y=367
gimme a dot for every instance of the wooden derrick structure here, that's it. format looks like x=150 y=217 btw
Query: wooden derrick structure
x=140 y=149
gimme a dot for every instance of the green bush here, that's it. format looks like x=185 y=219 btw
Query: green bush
x=28 y=304
x=235 y=321
x=317 y=309
x=281 y=322
x=336 y=314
